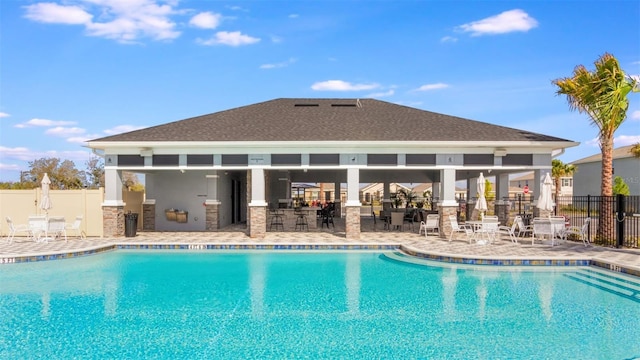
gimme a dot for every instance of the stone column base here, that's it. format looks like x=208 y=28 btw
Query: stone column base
x=113 y=221
x=444 y=223
x=149 y=217
x=212 y=216
x=352 y=222
x=257 y=222
x=502 y=210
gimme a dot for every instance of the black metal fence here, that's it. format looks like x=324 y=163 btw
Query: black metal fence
x=623 y=213
x=615 y=220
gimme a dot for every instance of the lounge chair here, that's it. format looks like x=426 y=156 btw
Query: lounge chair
x=430 y=223
x=580 y=231
x=455 y=228
x=542 y=227
x=15 y=229
x=488 y=230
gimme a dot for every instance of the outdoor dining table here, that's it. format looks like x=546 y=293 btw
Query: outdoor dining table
x=477 y=226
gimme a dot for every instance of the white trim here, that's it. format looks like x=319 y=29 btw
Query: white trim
x=212 y=202
x=113 y=203
x=149 y=202
x=258 y=203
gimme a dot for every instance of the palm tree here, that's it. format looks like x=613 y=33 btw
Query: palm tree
x=558 y=171
x=602 y=95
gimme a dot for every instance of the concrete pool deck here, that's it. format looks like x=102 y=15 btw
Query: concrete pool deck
x=503 y=252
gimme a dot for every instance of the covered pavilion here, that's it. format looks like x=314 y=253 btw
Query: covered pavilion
x=231 y=166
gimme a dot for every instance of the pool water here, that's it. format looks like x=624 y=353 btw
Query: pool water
x=264 y=305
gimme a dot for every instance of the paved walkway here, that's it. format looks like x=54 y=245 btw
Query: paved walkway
x=433 y=247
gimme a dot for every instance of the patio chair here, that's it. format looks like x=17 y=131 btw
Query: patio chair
x=455 y=228
x=523 y=229
x=55 y=228
x=75 y=227
x=410 y=217
x=430 y=223
x=397 y=220
x=580 y=231
x=488 y=230
x=541 y=229
x=509 y=230
x=15 y=229
x=38 y=226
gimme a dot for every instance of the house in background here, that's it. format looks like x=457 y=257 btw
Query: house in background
x=518 y=183
x=586 y=180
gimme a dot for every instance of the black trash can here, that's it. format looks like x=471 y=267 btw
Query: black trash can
x=130 y=224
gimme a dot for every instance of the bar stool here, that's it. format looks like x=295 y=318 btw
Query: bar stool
x=327 y=218
x=301 y=220
x=276 y=219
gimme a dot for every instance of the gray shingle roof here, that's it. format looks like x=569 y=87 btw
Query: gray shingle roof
x=327 y=120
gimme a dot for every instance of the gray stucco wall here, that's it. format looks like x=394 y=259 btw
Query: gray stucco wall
x=586 y=180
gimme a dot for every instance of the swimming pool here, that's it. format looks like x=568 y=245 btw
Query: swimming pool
x=147 y=304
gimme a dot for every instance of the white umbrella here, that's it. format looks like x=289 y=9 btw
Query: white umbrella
x=45 y=201
x=481 y=204
x=545 y=202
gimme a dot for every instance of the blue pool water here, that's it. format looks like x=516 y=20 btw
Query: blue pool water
x=310 y=305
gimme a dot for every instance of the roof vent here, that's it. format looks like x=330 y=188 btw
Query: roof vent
x=306 y=105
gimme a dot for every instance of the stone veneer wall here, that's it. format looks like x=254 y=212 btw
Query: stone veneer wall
x=502 y=211
x=257 y=222
x=113 y=221
x=212 y=217
x=149 y=217
x=352 y=222
x=444 y=223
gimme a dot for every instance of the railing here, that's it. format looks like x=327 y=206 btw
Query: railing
x=615 y=219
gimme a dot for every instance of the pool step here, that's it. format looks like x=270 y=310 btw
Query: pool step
x=618 y=284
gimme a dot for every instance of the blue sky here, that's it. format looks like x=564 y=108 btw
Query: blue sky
x=73 y=70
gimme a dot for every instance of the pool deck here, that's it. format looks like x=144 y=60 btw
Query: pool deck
x=503 y=252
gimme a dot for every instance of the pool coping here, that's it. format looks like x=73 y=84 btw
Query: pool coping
x=494 y=260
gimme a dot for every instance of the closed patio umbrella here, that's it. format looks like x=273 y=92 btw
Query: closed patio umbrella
x=481 y=204
x=45 y=201
x=545 y=202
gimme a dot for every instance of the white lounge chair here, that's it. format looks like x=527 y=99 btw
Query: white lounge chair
x=430 y=223
x=580 y=231
x=15 y=229
x=76 y=227
x=455 y=228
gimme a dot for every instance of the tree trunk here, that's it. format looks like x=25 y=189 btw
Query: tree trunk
x=606 y=228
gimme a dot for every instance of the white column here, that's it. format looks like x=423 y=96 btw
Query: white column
x=502 y=186
x=113 y=188
x=534 y=187
x=212 y=189
x=257 y=187
x=353 y=187
x=387 y=191
x=448 y=187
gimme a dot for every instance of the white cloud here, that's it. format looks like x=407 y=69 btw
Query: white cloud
x=339 y=85
x=635 y=115
x=276 y=39
x=449 y=39
x=4 y=115
x=64 y=132
x=125 y=21
x=206 y=20
x=57 y=14
x=278 y=65
x=435 y=86
x=293 y=16
x=11 y=167
x=624 y=140
x=43 y=123
x=122 y=129
x=17 y=153
x=506 y=22
x=235 y=38
x=381 y=94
